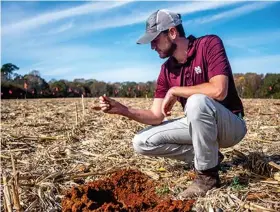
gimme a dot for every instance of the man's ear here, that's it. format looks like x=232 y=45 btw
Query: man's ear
x=172 y=33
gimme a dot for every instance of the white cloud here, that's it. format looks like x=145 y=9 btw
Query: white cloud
x=245 y=9
x=182 y=8
x=200 y=6
x=61 y=28
x=136 y=16
x=52 y=60
x=61 y=52
x=261 y=64
x=82 y=61
x=49 y=17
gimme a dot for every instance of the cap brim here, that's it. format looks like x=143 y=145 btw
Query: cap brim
x=147 y=37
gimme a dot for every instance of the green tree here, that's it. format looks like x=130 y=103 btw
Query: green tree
x=37 y=86
x=150 y=88
x=271 y=86
x=98 y=88
x=35 y=73
x=251 y=85
x=59 y=88
x=7 y=71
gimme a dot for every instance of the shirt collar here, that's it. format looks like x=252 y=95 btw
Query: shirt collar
x=191 y=48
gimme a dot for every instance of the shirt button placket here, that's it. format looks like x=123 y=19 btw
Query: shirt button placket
x=188 y=78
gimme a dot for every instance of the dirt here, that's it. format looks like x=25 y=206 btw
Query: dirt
x=48 y=137
x=125 y=190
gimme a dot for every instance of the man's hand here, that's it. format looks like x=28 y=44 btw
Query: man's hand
x=168 y=103
x=111 y=106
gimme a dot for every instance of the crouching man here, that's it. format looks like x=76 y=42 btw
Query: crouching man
x=196 y=73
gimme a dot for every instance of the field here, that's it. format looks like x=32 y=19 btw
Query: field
x=49 y=146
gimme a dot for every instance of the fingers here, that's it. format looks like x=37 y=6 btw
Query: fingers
x=166 y=113
x=163 y=111
x=104 y=105
x=166 y=109
x=102 y=98
x=105 y=109
x=96 y=108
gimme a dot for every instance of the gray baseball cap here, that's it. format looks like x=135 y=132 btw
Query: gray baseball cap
x=157 y=22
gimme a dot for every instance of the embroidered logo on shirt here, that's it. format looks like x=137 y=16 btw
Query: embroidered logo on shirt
x=197 y=70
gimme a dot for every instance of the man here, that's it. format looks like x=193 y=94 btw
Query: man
x=197 y=73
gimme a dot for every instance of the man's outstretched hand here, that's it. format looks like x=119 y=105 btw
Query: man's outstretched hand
x=108 y=105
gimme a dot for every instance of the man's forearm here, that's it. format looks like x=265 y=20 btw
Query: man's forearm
x=142 y=116
x=206 y=88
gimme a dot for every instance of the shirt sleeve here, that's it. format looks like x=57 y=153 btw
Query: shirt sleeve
x=161 y=85
x=216 y=58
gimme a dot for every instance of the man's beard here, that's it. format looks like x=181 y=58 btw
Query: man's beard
x=169 y=52
x=172 y=49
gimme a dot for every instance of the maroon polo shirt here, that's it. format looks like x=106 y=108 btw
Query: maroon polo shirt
x=206 y=58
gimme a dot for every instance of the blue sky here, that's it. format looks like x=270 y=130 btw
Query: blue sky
x=97 y=40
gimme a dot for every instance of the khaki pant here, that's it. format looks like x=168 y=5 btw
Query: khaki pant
x=206 y=127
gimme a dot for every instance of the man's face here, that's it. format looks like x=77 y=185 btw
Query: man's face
x=163 y=45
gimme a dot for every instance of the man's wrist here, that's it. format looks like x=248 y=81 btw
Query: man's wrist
x=173 y=91
x=124 y=111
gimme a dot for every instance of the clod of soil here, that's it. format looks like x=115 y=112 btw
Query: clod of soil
x=125 y=190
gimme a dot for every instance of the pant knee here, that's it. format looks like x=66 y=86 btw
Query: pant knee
x=196 y=101
x=138 y=144
x=197 y=105
x=147 y=144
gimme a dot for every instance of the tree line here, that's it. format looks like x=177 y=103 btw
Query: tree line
x=32 y=85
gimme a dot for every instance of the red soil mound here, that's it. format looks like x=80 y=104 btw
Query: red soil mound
x=125 y=190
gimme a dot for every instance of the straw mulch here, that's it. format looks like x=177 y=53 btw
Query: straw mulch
x=50 y=145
